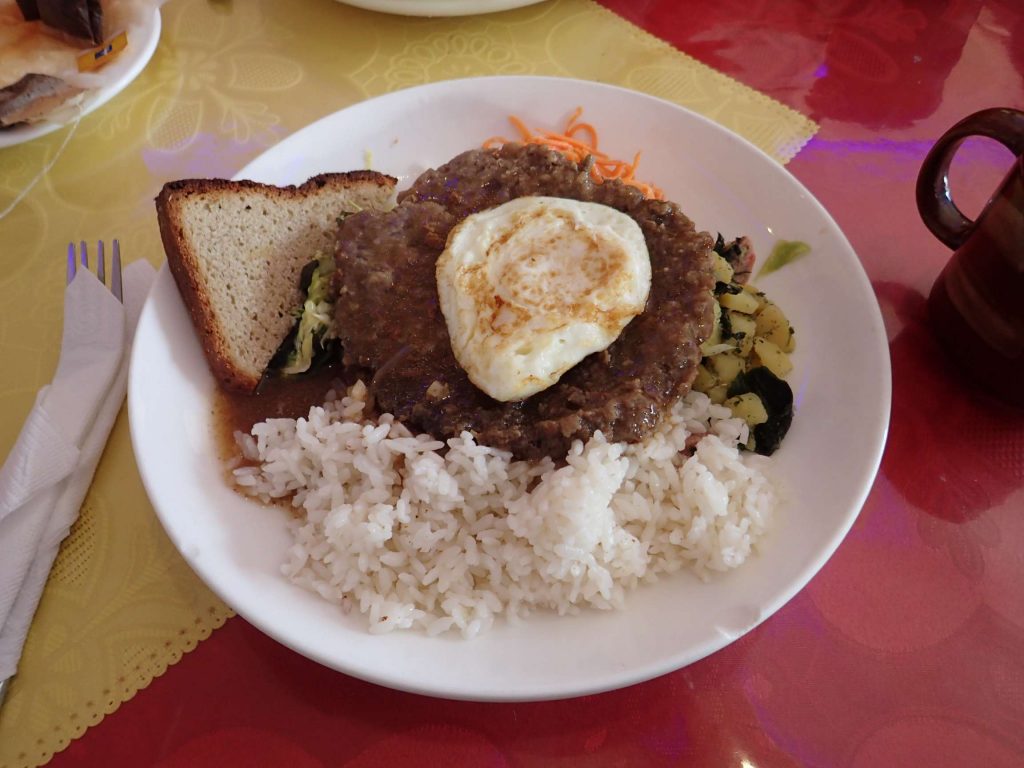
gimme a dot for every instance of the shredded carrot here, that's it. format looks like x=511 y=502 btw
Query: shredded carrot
x=578 y=141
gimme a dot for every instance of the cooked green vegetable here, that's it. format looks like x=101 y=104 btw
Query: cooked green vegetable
x=783 y=252
x=315 y=328
x=750 y=341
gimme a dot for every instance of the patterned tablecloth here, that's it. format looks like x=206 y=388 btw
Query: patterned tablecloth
x=906 y=649
x=227 y=81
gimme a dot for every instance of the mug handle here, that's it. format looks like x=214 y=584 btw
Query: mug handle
x=934 y=198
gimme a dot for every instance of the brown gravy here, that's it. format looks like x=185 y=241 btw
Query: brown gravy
x=277 y=398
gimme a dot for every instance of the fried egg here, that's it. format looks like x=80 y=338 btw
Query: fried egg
x=531 y=287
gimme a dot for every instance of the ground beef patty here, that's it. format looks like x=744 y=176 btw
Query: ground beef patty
x=391 y=326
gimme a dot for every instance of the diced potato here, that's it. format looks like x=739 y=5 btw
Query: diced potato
x=756 y=292
x=779 y=337
x=769 y=317
x=705 y=379
x=716 y=334
x=753 y=332
x=790 y=345
x=773 y=325
x=741 y=302
x=743 y=331
x=742 y=323
x=749 y=408
x=722 y=270
x=727 y=366
x=773 y=358
x=717 y=394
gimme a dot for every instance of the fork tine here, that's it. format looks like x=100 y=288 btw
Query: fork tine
x=84 y=252
x=101 y=273
x=71 y=262
x=115 y=272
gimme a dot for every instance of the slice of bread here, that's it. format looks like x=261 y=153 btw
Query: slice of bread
x=33 y=97
x=237 y=248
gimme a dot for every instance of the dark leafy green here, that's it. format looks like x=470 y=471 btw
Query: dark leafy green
x=777 y=398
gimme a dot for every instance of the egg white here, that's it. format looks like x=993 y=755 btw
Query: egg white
x=531 y=287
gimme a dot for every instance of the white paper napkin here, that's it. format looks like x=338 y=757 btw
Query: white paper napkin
x=48 y=471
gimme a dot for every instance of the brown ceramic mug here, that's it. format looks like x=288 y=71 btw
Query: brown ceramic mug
x=976 y=307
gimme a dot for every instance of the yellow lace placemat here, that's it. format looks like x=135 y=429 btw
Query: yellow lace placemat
x=230 y=79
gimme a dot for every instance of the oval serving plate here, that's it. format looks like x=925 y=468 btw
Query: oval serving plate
x=439 y=7
x=825 y=468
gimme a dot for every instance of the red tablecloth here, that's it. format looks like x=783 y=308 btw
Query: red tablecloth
x=908 y=647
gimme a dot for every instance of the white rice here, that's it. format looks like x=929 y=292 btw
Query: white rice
x=415 y=539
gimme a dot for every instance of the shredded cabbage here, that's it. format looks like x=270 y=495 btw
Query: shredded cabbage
x=316 y=321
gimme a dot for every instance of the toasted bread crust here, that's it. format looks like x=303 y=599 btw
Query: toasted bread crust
x=186 y=258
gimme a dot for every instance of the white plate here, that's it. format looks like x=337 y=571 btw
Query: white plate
x=439 y=7
x=827 y=464
x=129 y=64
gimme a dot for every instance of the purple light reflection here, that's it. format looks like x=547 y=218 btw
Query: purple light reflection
x=206 y=155
x=846 y=147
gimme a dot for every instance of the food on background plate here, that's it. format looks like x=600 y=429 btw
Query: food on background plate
x=424 y=502
x=52 y=52
x=78 y=18
x=237 y=250
x=32 y=97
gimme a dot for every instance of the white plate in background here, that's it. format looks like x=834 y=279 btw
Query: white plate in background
x=132 y=60
x=439 y=7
